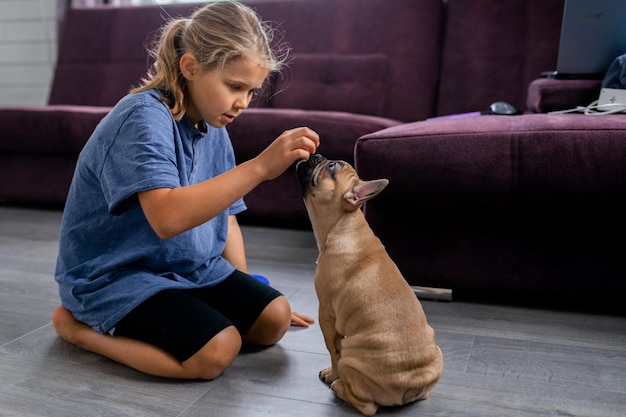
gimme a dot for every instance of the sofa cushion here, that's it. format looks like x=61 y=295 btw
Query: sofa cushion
x=102 y=52
x=348 y=83
x=534 y=160
x=405 y=31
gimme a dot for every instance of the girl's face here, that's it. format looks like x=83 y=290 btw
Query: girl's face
x=219 y=96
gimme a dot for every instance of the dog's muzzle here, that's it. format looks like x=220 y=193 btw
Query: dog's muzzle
x=306 y=170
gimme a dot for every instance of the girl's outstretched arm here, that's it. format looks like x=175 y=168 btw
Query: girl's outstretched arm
x=171 y=211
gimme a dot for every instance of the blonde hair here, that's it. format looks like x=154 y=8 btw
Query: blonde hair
x=216 y=35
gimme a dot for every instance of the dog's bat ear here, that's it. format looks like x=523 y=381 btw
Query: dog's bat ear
x=363 y=191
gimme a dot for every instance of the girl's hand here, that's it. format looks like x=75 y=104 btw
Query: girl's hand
x=298 y=319
x=290 y=146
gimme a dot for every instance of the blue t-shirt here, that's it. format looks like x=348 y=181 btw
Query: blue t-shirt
x=110 y=259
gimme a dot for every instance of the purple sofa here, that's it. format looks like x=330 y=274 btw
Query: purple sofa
x=525 y=208
x=358 y=66
x=493 y=207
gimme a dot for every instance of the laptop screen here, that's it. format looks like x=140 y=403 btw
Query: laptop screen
x=593 y=34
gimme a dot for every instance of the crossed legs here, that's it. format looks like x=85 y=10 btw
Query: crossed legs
x=207 y=363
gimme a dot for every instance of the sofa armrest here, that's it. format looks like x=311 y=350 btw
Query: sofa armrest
x=549 y=94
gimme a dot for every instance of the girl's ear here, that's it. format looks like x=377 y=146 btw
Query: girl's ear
x=188 y=65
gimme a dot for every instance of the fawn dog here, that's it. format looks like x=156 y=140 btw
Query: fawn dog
x=381 y=347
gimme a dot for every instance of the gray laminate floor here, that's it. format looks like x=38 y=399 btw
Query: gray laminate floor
x=499 y=361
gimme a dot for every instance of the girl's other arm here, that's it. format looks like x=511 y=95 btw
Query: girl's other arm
x=234 y=251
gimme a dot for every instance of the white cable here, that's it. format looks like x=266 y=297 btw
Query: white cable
x=577 y=109
x=593 y=109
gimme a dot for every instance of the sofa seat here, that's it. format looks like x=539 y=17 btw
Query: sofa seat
x=502 y=208
x=279 y=202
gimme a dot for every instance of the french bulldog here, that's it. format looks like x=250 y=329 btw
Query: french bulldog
x=382 y=349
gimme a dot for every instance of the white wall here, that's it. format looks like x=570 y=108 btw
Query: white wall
x=28 y=47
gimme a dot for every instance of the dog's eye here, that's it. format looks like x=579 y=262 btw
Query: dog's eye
x=332 y=167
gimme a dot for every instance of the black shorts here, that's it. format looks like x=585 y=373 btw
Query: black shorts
x=182 y=321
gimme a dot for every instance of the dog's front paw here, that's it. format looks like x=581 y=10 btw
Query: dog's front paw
x=328 y=375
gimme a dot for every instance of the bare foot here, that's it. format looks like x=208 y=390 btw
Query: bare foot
x=66 y=325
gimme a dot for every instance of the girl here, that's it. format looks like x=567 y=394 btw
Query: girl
x=151 y=266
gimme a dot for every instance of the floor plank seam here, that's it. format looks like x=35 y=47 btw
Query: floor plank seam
x=195 y=401
x=24 y=335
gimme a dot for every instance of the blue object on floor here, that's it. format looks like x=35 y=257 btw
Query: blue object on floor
x=261 y=278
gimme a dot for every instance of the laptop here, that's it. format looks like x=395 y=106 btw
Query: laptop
x=593 y=34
